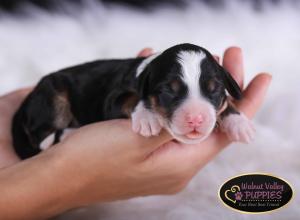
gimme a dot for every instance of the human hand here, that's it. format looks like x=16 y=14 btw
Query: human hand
x=129 y=165
x=106 y=161
x=197 y=156
x=8 y=106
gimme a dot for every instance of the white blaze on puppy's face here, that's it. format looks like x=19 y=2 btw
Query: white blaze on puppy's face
x=195 y=118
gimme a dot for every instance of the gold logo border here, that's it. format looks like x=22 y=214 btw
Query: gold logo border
x=256 y=213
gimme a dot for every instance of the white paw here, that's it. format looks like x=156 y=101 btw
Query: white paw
x=49 y=140
x=145 y=122
x=238 y=128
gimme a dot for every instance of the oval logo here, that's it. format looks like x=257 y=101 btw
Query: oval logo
x=255 y=193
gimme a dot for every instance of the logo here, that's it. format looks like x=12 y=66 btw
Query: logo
x=255 y=193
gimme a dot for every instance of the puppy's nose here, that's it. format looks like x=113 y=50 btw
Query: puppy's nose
x=194 y=121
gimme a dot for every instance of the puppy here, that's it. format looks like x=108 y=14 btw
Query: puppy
x=182 y=89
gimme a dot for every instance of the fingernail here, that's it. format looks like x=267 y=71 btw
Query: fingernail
x=217 y=58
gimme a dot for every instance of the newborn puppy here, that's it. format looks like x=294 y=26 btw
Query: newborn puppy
x=182 y=89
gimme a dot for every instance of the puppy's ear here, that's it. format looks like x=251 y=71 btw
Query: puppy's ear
x=143 y=83
x=230 y=84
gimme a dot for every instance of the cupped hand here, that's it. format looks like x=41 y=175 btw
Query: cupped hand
x=124 y=164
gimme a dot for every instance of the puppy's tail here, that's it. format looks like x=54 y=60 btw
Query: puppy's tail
x=21 y=140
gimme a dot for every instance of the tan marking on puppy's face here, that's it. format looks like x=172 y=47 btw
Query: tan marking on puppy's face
x=158 y=109
x=129 y=104
x=175 y=85
x=211 y=85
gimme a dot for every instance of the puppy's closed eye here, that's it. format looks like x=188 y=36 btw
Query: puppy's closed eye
x=175 y=86
x=211 y=85
x=169 y=91
x=166 y=97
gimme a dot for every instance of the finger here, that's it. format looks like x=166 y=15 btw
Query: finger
x=195 y=156
x=210 y=148
x=9 y=104
x=152 y=143
x=217 y=58
x=145 y=52
x=14 y=99
x=233 y=63
x=254 y=94
x=123 y=128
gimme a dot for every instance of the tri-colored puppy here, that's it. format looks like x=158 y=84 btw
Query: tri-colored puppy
x=182 y=89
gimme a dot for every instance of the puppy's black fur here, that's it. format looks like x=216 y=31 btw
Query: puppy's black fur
x=72 y=97
x=109 y=89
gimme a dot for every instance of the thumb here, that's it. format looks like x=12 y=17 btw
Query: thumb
x=254 y=94
x=150 y=144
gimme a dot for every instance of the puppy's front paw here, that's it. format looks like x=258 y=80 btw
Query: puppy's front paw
x=238 y=128
x=145 y=122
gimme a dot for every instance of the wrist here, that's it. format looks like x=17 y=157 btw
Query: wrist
x=80 y=181
x=8 y=156
x=36 y=181
x=67 y=171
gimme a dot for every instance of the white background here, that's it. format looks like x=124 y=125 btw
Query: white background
x=30 y=48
